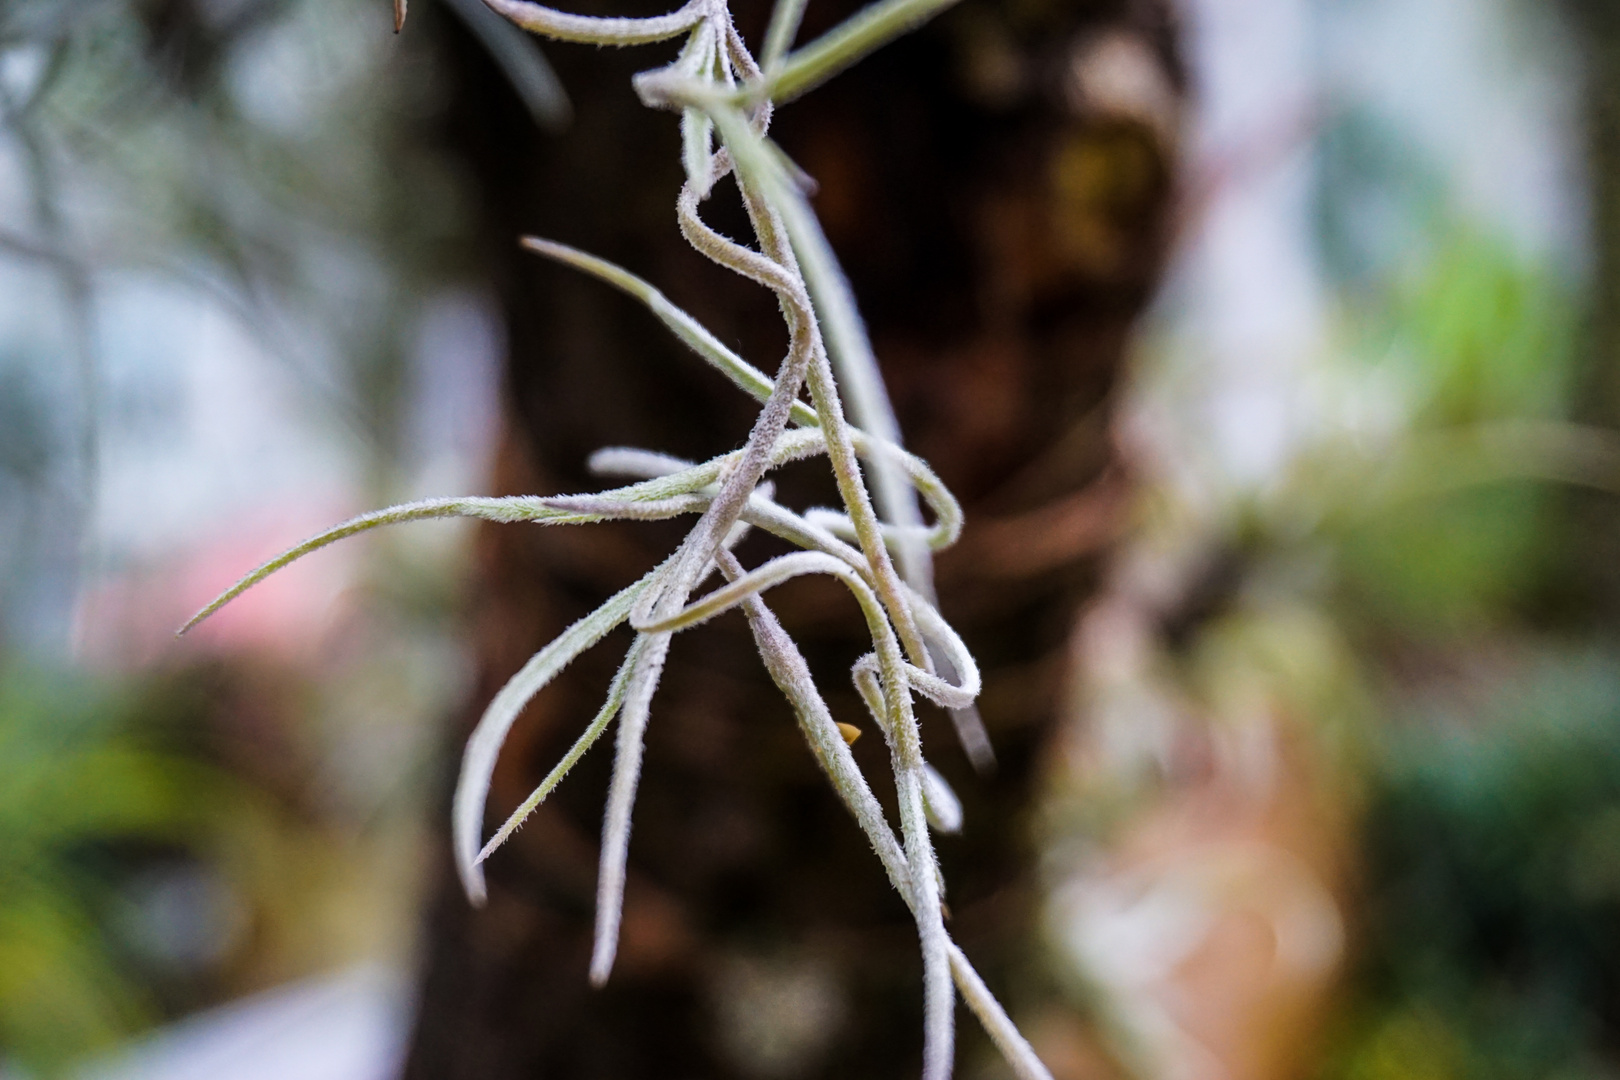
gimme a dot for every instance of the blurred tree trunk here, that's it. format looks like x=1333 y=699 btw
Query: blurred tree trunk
x=1591 y=587
x=998 y=187
x=1598 y=23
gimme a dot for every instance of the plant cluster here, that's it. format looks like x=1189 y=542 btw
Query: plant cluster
x=725 y=98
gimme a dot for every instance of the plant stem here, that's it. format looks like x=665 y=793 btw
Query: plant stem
x=849 y=41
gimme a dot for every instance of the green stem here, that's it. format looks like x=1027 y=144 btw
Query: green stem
x=785 y=18
x=862 y=33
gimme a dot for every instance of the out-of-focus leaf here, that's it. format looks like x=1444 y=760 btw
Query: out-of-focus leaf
x=73 y=780
x=1492 y=936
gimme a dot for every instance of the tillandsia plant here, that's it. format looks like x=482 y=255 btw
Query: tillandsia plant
x=725 y=97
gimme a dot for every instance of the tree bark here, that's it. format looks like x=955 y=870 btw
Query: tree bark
x=1590 y=588
x=998 y=187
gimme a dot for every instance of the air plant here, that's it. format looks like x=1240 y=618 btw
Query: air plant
x=725 y=98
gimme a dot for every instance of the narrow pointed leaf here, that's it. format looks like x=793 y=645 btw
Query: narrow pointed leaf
x=691 y=332
x=621 y=801
x=586 y=740
x=478 y=760
x=516 y=508
x=1002 y=1031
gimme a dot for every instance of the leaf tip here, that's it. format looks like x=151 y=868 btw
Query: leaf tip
x=192 y=622
x=472 y=882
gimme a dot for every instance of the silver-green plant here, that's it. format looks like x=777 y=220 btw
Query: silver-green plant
x=725 y=98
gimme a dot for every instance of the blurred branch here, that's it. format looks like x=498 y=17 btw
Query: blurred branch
x=1051 y=535
x=76 y=288
x=519 y=57
x=14 y=244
